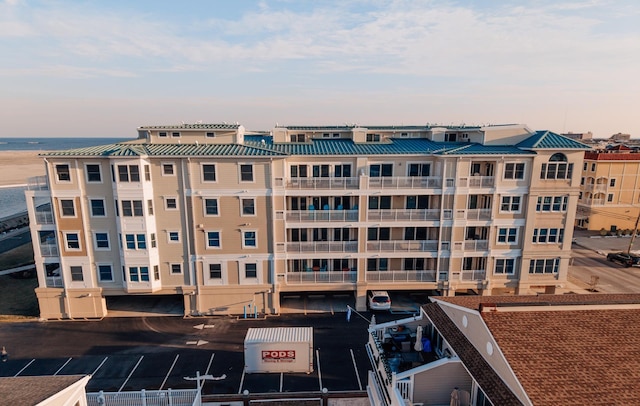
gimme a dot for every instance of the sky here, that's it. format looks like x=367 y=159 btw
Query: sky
x=103 y=68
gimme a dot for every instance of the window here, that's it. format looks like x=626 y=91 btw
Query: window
x=378 y=234
x=299 y=171
x=557 y=168
x=552 y=203
x=101 y=241
x=507 y=235
x=417 y=202
x=246 y=173
x=297 y=137
x=150 y=207
x=213 y=239
x=139 y=274
x=584 y=166
x=147 y=173
x=210 y=135
x=610 y=197
x=342 y=171
x=514 y=171
x=175 y=134
x=136 y=241
x=415 y=233
x=97 y=208
x=63 y=173
x=593 y=167
x=93 y=173
x=544 y=266
x=67 y=207
x=168 y=169
x=174 y=236
x=377 y=264
x=248 y=207
x=414 y=264
x=176 y=268
x=72 y=241
x=208 y=173
x=380 y=170
x=505 y=266
x=76 y=274
x=128 y=173
x=373 y=137
x=320 y=171
x=510 y=204
x=581 y=181
x=548 y=235
x=211 y=207
x=419 y=169
x=612 y=182
x=105 y=273
x=132 y=208
x=152 y=240
x=379 y=202
x=250 y=270
x=215 y=271
x=171 y=203
x=249 y=239
x=156 y=273
x=162 y=134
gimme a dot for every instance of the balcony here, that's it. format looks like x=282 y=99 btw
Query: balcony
x=49 y=250
x=471 y=245
x=54 y=281
x=320 y=246
x=473 y=275
x=401 y=276
x=594 y=202
x=402 y=246
x=321 y=277
x=37 y=183
x=405 y=182
x=403 y=215
x=302 y=216
x=473 y=214
x=320 y=183
x=597 y=187
x=477 y=181
x=44 y=215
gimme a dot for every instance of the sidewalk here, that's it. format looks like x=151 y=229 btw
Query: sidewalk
x=592 y=240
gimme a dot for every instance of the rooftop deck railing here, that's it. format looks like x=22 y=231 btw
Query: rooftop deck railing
x=37 y=183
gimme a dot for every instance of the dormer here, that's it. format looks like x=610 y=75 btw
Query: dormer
x=193 y=134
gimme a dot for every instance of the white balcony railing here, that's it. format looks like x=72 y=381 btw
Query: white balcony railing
x=44 y=217
x=322 y=246
x=474 y=214
x=321 y=277
x=300 y=216
x=174 y=397
x=403 y=214
x=37 y=183
x=471 y=245
x=321 y=183
x=402 y=246
x=405 y=182
x=476 y=181
x=401 y=276
x=49 y=250
x=473 y=275
x=54 y=281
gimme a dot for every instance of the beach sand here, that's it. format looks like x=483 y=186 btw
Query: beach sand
x=16 y=167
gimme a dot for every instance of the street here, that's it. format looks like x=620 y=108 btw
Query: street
x=612 y=277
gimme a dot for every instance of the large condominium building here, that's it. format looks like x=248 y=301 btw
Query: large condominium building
x=224 y=220
x=610 y=190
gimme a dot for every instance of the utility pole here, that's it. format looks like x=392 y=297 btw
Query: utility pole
x=633 y=234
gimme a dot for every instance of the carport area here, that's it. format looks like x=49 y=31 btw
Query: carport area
x=145 y=305
x=315 y=302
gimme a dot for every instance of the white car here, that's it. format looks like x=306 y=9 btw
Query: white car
x=379 y=300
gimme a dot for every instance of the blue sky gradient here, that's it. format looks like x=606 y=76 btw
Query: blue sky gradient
x=103 y=68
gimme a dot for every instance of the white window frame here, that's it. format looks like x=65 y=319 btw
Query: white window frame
x=171 y=265
x=381 y=165
x=136 y=242
x=176 y=134
x=210 y=134
x=555 y=265
x=66 y=241
x=242 y=213
x=104 y=206
x=204 y=206
x=139 y=273
x=215 y=172
x=166 y=203
x=163 y=134
x=98 y=274
x=507 y=236
x=75 y=211
x=242 y=270
x=57 y=174
x=515 y=166
x=510 y=197
x=538 y=235
x=206 y=240
x=95 y=241
x=169 y=240
x=244 y=239
x=504 y=266
x=167 y=164
x=421 y=165
x=223 y=273
x=253 y=172
x=86 y=171
x=71 y=273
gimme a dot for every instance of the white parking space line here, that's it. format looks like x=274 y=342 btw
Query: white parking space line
x=64 y=365
x=281 y=379
x=210 y=362
x=319 y=372
x=169 y=372
x=241 y=381
x=100 y=366
x=130 y=373
x=355 y=368
x=25 y=367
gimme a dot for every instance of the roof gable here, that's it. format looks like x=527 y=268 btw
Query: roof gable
x=550 y=140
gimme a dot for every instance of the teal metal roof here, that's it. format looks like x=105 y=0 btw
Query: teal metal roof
x=181 y=150
x=479 y=149
x=550 y=140
x=348 y=147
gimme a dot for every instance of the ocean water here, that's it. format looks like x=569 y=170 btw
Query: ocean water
x=12 y=200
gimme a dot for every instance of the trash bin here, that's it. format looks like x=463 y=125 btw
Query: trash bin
x=426 y=345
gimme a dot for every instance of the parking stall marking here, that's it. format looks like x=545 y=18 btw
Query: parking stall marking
x=241 y=380
x=63 y=365
x=25 y=367
x=169 y=372
x=281 y=378
x=100 y=366
x=319 y=373
x=131 y=373
x=210 y=362
x=355 y=368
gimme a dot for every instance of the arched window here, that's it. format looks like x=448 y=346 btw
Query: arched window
x=557 y=168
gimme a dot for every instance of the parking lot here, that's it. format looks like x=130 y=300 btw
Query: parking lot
x=160 y=352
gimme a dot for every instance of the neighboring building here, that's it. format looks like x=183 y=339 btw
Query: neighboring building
x=61 y=390
x=228 y=222
x=620 y=137
x=510 y=350
x=579 y=136
x=609 y=189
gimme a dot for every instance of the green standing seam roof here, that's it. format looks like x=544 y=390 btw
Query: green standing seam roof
x=550 y=140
